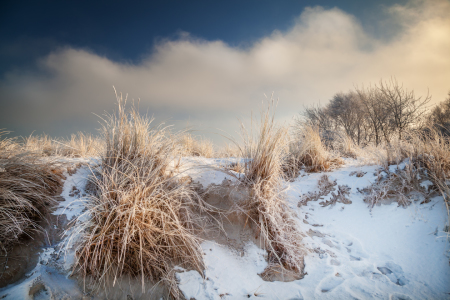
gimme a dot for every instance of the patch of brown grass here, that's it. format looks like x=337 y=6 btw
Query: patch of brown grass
x=192 y=146
x=28 y=186
x=308 y=151
x=79 y=145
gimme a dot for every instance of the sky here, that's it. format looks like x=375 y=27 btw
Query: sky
x=203 y=64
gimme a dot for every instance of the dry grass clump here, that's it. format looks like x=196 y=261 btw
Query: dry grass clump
x=402 y=186
x=7 y=145
x=141 y=217
x=82 y=145
x=196 y=147
x=431 y=150
x=79 y=145
x=324 y=187
x=229 y=151
x=27 y=189
x=267 y=207
x=383 y=154
x=308 y=151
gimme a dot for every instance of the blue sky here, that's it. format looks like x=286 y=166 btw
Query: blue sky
x=207 y=62
x=127 y=30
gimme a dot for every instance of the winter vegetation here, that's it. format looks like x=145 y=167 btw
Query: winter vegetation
x=138 y=208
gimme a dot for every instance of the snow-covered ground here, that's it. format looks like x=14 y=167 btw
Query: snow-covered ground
x=388 y=252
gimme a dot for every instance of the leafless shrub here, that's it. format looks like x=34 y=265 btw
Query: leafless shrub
x=402 y=186
x=439 y=117
x=238 y=166
x=358 y=173
x=229 y=151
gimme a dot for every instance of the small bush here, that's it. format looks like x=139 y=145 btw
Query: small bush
x=229 y=151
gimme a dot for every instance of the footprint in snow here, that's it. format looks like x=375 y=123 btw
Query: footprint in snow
x=329 y=283
x=355 y=250
x=399 y=297
x=394 y=272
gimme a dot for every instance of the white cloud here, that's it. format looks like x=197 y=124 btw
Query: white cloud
x=210 y=83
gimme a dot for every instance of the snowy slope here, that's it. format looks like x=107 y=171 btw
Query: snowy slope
x=388 y=252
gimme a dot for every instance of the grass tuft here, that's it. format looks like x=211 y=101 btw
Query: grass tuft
x=28 y=186
x=196 y=147
x=308 y=151
x=141 y=217
x=263 y=174
x=79 y=145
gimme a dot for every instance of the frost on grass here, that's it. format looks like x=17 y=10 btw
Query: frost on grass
x=142 y=218
x=263 y=175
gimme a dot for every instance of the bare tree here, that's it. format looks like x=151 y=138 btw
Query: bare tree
x=404 y=107
x=440 y=116
x=377 y=114
x=346 y=111
x=318 y=116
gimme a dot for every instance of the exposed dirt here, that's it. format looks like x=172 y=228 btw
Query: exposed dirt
x=238 y=228
x=22 y=257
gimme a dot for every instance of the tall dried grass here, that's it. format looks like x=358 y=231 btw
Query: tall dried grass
x=192 y=146
x=308 y=151
x=142 y=219
x=430 y=149
x=28 y=186
x=79 y=145
x=229 y=151
x=266 y=150
x=7 y=145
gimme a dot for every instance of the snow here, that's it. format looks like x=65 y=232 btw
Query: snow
x=206 y=170
x=72 y=206
x=388 y=252
x=50 y=278
x=228 y=274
